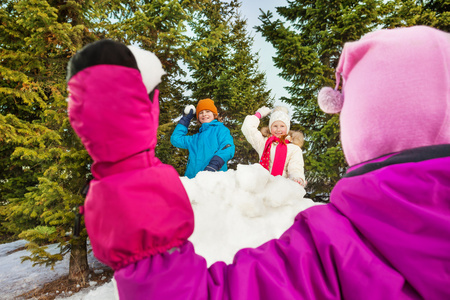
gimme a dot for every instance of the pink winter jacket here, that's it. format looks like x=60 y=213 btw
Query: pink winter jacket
x=136 y=206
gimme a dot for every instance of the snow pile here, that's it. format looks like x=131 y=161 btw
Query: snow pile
x=233 y=210
x=241 y=209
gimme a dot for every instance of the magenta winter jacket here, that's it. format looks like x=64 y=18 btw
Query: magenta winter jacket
x=385 y=235
x=136 y=206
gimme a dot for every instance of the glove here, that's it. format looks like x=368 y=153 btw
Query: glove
x=263 y=111
x=214 y=164
x=189 y=112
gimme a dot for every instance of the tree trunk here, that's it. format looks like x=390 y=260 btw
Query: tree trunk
x=78 y=265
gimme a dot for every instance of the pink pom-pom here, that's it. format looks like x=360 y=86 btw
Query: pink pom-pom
x=330 y=100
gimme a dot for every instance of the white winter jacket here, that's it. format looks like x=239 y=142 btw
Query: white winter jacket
x=293 y=167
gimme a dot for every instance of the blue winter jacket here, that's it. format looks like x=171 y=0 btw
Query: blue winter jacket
x=213 y=139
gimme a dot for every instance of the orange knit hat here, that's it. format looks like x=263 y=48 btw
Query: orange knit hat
x=206 y=104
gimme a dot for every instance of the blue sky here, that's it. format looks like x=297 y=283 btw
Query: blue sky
x=250 y=11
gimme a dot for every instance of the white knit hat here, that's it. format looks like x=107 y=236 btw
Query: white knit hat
x=280 y=113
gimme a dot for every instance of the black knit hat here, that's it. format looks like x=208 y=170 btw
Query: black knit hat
x=103 y=52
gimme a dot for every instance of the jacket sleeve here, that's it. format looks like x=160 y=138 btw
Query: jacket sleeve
x=271 y=271
x=295 y=165
x=226 y=145
x=179 y=137
x=309 y=261
x=252 y=134
x=137 y=207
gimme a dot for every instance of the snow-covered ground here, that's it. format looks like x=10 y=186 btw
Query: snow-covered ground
x=17 y=278
x=233 y=210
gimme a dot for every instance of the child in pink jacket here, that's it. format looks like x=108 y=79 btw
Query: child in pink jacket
x=384 y=234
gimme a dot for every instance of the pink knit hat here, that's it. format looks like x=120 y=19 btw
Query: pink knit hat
x=395 y=92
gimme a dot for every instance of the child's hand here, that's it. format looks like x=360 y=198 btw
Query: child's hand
x=189 y=112
x=264 y=111
x=215 y=164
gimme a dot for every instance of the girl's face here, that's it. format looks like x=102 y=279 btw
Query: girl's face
x=205 y=116
x=278 y=129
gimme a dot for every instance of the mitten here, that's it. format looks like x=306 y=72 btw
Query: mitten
x=214 y=164
x=189 y=112
x=263 y=111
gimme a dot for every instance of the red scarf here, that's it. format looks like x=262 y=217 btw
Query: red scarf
x=280 y=155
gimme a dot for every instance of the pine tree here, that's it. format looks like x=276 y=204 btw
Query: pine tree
x=46 y=165
x=162 y=27
x=308 y=47
x=399 y=13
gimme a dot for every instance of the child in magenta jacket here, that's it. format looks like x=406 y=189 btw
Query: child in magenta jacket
x=384 y=234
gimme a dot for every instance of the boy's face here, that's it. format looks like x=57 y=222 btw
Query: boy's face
x=205 y=116
x=278 y=129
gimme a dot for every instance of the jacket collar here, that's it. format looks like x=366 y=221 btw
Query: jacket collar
x=406 y=156
x=205 y=126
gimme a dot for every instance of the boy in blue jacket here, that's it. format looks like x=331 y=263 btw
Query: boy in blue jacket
x=212 y=147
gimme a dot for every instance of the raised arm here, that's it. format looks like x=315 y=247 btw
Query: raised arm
x=179 y=137
x=250 y=129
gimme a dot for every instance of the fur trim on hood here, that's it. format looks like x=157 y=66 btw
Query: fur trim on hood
x=295 y=137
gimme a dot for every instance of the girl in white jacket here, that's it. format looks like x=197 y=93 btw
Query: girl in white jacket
x=279 y=149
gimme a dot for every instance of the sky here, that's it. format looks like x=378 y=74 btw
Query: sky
x=233 y=210
x=250 y=11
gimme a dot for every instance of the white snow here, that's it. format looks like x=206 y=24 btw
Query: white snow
x=17 y=278
x=233 y=210
x=240 y=209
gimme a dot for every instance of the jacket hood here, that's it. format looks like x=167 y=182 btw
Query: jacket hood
x=114 y=121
